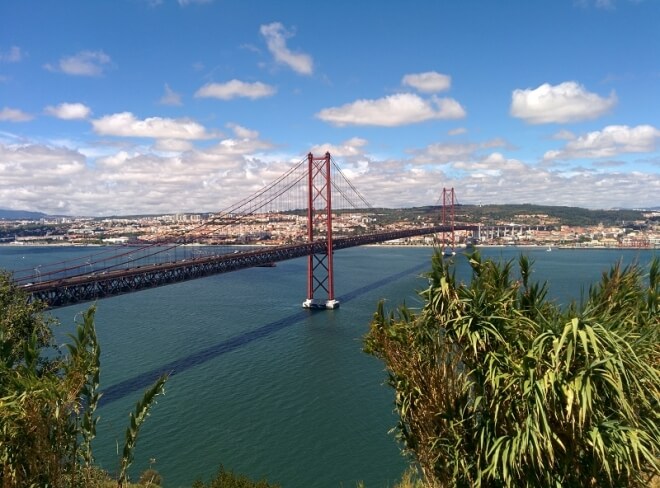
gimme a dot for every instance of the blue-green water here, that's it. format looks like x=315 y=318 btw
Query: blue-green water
x=260 y=385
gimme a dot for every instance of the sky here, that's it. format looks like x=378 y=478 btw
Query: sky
x=118 y=107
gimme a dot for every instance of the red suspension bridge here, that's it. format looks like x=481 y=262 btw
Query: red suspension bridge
x=320 y=207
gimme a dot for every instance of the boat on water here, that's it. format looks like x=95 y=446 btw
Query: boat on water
x=471 y=244
x=549 y=249
x=448 y=252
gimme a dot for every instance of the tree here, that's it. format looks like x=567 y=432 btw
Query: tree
x=498 y=386
x=20 y=320
x=47 y=406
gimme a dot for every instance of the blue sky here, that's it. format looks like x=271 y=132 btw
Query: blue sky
x=157 y=106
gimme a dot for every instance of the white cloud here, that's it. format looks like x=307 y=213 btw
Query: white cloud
x=23 y=159
x=14 y=115
x=171 y=176
x=242 y=132
x=276 y=35
x=564 y=135
x=235 y=89
x=442 y=153
x=69 y=111
x=29 y=159
x=590 y=189
x=494 y=164
x=170 y=97
x=40 y=177
x=84 y=63
x=448 y=108
x=392 y=111
x=174 y=176
x=457 y=131
x=608 y=164
x=497 y=178
x=235 y=147
x=172 y=145
x=566 y=102
x=347 y=149
x=13 y=55
x=125 y=124
x=613 y=140
x=208 y=179
x=429 y=82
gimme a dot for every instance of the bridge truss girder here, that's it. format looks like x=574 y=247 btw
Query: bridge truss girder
x=86 y=288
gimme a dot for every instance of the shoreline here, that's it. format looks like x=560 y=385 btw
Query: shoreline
x=383 y=244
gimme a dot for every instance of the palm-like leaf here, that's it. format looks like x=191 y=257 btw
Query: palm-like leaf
x=497 y=386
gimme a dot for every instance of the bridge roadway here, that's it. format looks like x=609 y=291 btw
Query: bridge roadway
x=83 y=288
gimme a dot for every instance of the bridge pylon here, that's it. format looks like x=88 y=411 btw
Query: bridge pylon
x=320 y=269
x=448 y=218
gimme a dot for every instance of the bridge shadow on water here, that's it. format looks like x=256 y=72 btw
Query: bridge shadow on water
x=143 y=380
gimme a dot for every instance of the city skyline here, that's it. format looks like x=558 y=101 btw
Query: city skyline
x=173 y=106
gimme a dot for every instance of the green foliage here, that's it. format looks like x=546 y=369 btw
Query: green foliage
x=497 y=386
x=151 y=478
x=47 y=406
x=227 y=479
x=137 y=418
x=410 y=479
x=40 y=403
x=19 y=321
x=85 y=367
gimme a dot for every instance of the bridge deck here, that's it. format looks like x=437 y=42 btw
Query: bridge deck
x=94 y=286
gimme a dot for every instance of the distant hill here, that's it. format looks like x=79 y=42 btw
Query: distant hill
x=527 y=213
x=21 y=215
x=520 y=214
x=485 y=214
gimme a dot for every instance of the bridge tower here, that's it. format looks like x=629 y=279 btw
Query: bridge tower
x=448 y=201
x=320 y=271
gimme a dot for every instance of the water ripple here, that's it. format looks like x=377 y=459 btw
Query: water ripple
x=143 y=380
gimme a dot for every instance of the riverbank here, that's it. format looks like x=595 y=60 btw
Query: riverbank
x=382 y=244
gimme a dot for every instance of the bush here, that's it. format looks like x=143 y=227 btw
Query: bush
x=47 y=406
x=151 y=477
x=227 y=479
x=497 y=386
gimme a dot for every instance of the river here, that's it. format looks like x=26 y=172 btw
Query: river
x=260 y=385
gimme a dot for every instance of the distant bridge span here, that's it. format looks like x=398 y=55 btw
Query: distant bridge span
x=89 y=287
x=315 y=184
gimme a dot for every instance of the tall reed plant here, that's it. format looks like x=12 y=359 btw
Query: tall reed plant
x=496 y=385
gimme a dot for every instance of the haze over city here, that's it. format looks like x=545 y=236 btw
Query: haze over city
x=158 y=106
